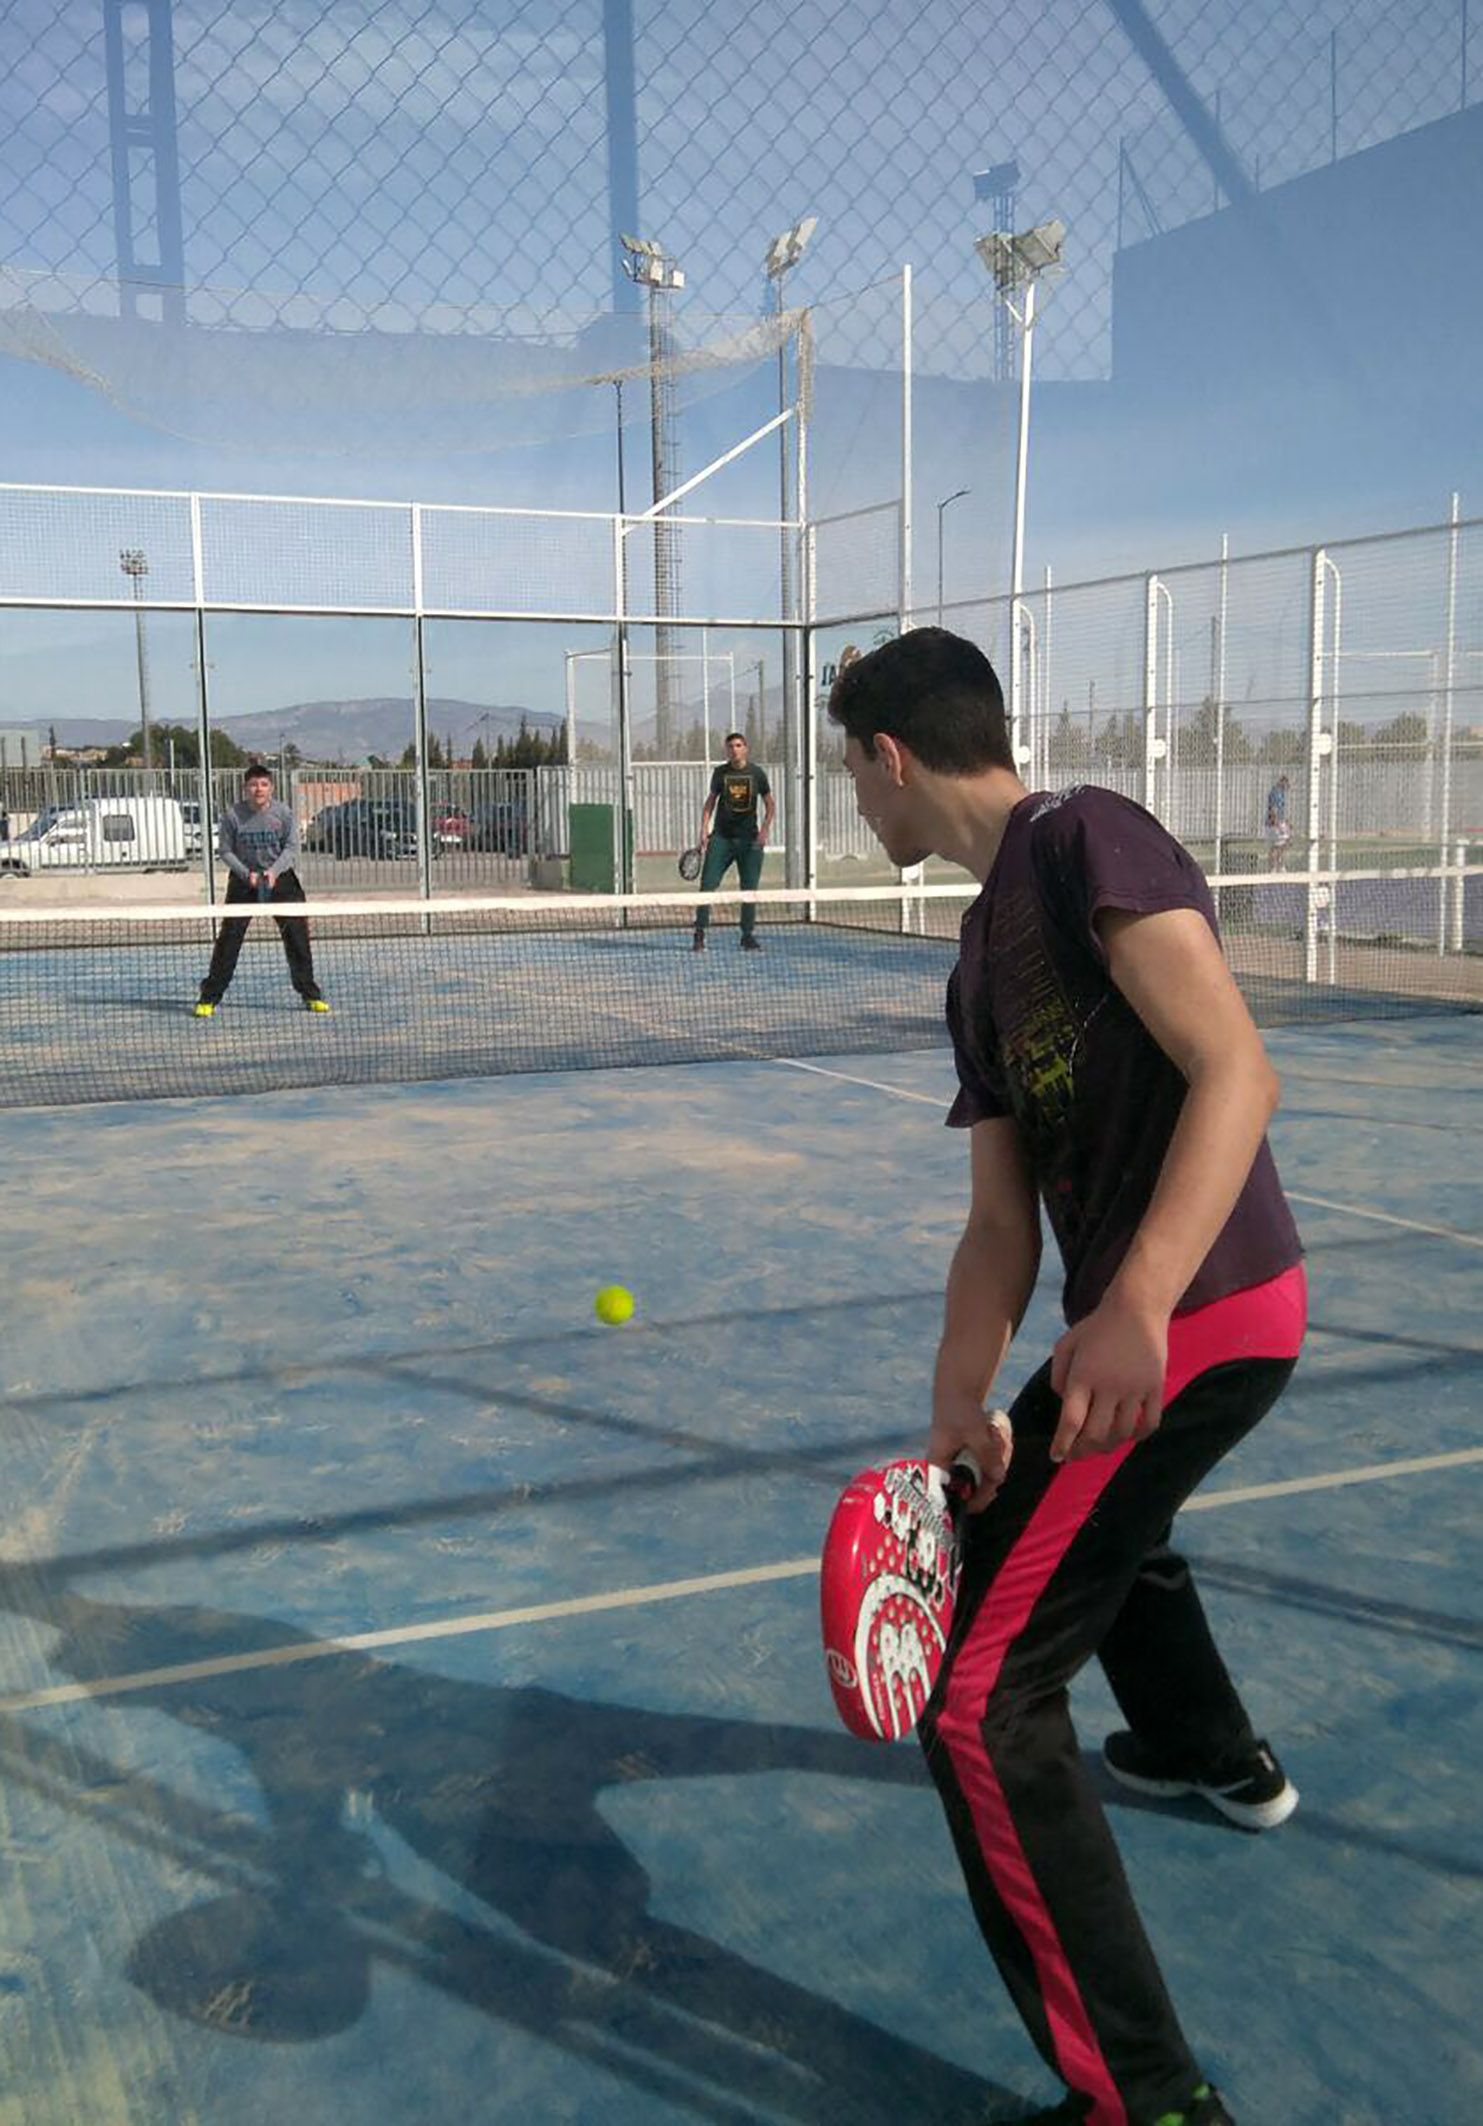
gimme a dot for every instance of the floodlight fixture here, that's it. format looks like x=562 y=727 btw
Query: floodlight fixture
x=1015 y=261
x=999 y=178
x=1041 y=246
x=648 y=264
x=784 y=252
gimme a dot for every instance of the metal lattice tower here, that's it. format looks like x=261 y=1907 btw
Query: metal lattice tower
x=145 y=152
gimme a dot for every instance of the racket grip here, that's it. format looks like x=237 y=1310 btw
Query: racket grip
x=964 y=1478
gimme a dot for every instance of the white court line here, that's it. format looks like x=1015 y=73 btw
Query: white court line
x=629 y=1598
x=874 y=1085
x=1323 y=1203
x=1407 y=1225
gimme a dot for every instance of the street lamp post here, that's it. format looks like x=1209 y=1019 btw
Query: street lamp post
x=956 y=496
x=135 y=564
x=783 y=254
x=1017 y=263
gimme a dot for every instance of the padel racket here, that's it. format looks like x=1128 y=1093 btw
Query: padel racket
x=689 y=865
x=887 y=1586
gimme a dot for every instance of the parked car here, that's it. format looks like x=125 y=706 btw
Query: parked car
x=501 y=829
x=451 y=827
x=380 y=827
x=98 y=833
x=190 y=817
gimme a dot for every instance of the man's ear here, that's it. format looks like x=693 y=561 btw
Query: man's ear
x=893 y=757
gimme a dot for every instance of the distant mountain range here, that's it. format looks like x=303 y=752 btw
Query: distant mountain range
x=328 y=730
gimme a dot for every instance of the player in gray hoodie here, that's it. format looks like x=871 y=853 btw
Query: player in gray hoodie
x=258 y=842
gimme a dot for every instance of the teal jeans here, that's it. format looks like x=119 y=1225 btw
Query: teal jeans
x=721 y=852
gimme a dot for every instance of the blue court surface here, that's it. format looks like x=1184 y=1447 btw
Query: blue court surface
x=410 y=1699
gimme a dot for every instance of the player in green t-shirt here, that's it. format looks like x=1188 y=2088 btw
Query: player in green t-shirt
x=730 y=834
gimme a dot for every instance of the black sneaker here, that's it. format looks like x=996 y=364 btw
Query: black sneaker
x=751 y=944
x=697 y=943
x=1256 y=1794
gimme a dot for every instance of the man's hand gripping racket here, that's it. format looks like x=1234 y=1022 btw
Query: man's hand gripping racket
x=888 y=1582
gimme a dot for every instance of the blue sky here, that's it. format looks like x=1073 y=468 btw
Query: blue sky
x=442 y=164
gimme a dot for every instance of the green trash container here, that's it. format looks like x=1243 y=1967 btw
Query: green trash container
x=594 y=851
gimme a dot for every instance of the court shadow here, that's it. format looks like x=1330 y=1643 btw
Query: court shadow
x=1308 y=1824
x=1403 y=1619
x=547 y=1923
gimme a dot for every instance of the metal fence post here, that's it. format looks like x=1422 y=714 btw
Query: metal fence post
x=1155 y=746
x=1319 y=897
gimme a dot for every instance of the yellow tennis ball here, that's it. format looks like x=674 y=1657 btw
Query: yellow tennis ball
x=613 y=1304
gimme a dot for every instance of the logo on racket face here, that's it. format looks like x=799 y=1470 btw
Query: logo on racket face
x=888 y=1613
x=840 y=1669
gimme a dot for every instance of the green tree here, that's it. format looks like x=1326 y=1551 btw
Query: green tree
x=1405 y=737
x=1070 y=748
x=1283 y=749
x=1201 y=738
x=225 y=752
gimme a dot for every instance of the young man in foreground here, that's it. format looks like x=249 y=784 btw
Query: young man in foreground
x=1109 y=1070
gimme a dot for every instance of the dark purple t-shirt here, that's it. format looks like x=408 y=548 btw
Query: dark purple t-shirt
x=1041 y=1032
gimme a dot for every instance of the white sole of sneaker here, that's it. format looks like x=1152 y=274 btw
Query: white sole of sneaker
x=1249 y=1816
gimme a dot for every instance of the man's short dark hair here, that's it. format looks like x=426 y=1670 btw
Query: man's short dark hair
x=935 y=692
x=258 y=770
x=737 y=734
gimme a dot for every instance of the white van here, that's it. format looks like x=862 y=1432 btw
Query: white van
x=99 y=833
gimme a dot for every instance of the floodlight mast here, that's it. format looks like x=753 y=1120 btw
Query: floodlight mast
x=647 y=264
x=783 y=254
x=998 y=187
x=135 y=564
x=1017 y=263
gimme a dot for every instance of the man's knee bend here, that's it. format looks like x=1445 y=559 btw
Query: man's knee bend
x=1163 y=1573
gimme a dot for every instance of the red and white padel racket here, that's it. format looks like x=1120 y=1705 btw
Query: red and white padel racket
x=887 y=1585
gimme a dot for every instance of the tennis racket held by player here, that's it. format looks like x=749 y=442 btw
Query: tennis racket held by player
x=887 y=1585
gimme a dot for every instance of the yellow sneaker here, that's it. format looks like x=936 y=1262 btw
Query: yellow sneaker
x=315 y=1004
x=203 y=1010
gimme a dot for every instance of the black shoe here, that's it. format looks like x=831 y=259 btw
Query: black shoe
x=697 y=943
x=1255 y=1793
x=750 y=943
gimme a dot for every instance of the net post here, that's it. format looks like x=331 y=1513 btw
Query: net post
x=904 y=593
x=1449 y=683
x=203 y=704
x=626 y=794
x=1155 y=748
x=419 y=713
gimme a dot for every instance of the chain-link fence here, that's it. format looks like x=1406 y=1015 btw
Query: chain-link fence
x=1315 y=708
x=416 y=160
x=1318 y=709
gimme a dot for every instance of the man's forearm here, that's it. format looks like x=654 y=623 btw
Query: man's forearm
x=989 y=1285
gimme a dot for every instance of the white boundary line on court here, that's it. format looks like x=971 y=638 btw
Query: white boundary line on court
x=897 y=1092
x=631 y=1598
x=1322 y=1203
x=1407 y=1225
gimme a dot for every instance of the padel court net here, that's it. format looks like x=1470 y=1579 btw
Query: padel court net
x=96 y=1003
